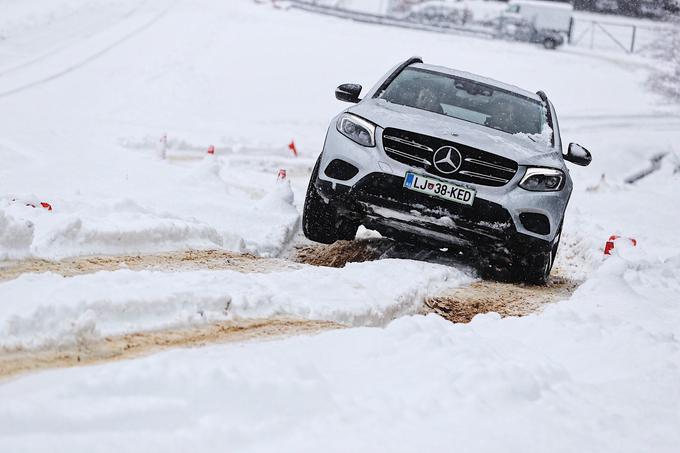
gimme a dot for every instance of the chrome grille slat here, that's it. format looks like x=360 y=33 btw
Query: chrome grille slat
x=490 y=165
x=409 y=142
x=482 y=176
x=408 y=156
x=477 y=166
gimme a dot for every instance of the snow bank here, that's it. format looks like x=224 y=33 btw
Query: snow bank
x=15 y=236
x=194 y=207
x=41 y=310
x=597 y=373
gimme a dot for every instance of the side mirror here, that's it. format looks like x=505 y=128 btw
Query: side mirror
x=348 y=92
x=577 y=154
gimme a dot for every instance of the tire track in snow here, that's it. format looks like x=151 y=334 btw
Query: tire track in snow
x=459 y=305
x=462 y=304
x=92 y=57
x=173 y=261
x=141 y=344
x=67 y=45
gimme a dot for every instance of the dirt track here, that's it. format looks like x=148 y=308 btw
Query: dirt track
x=462 y=304
x=175 y=261
x=458 y=305
x=145 y=343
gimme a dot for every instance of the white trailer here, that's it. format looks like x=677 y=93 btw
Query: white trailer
x=543 y=15
x=546 y=22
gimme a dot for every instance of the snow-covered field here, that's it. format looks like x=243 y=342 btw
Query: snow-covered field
x=87 y=90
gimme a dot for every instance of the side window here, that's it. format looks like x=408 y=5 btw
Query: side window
x=514 y=9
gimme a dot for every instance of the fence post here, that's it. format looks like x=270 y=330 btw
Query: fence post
x=592 y=35
x=632 y=41
x=571 y=30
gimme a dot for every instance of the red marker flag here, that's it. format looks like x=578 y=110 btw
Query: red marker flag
x=292 y=147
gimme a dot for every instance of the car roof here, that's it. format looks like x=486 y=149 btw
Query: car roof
x=478 y=78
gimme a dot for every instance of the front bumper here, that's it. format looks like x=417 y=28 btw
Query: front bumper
x=375 y=196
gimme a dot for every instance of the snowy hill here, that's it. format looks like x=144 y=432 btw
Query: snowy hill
x=88 y=90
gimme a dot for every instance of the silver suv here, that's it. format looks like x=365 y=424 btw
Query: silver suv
x=448 y=158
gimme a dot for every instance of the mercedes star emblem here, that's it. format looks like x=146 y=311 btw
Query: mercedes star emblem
x=447 y=160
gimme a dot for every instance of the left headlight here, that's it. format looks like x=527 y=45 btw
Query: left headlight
x=542 y=180
x=357 y=129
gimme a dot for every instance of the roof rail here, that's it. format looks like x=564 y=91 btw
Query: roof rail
x=396 y=72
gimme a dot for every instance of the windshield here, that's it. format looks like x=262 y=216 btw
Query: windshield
x=467 y=100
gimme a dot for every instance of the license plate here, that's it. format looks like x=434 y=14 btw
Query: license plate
x=439 y=188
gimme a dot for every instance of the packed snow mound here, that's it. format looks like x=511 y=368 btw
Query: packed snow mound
x=596 y=373
x=42 y=310
x=190 y=207
x=16 y=236
x=112 y=226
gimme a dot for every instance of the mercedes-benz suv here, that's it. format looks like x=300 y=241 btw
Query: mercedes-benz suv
x=448 y=158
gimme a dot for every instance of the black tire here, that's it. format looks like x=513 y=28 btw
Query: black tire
x=525 y=264
x=320 y=219
x=550 y=43
x=494 y=263
x=535 y=267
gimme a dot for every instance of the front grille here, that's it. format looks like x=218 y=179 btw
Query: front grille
x=483 y=217
x=477 y=166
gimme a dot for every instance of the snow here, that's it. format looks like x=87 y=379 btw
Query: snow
x=89 y=88
x=48 y=310
x=240 y=213
x=159 y=84
x=596 y=373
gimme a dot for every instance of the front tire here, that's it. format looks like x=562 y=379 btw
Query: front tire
x=535 y=267
x=320 y=219
x=521 y=263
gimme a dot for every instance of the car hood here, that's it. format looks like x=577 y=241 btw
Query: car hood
x=519 y=148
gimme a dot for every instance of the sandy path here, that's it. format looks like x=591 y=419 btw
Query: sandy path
x=462 y=304
x=457 y=305
x=144 y=343
x=175 y=261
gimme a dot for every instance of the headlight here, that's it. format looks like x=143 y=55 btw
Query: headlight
x=542 y=180
x=357 y=129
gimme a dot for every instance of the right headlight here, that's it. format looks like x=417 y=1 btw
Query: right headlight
x=542 y=180
x=357 y=129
